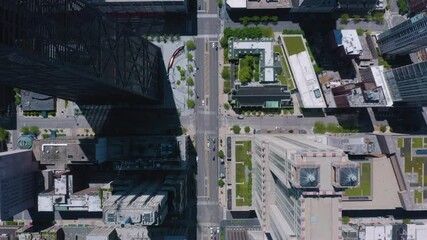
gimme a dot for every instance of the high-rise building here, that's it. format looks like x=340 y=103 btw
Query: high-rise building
x=361 y=5
x=140 y=8
x=408 y=84
x=416 y=6
x=17 y=182
x=298 y=184
x=69 y=49
x=407 y=37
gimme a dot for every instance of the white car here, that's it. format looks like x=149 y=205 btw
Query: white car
x=203 y=102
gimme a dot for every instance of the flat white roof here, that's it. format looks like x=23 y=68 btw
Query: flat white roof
x=306 y=80
x=377 y=72
x=267 y=46
x=236 y=3
x=350 y=42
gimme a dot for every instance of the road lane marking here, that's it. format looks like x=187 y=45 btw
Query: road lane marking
x=207 y=15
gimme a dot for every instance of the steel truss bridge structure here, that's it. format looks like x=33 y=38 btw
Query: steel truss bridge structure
x=69 y=49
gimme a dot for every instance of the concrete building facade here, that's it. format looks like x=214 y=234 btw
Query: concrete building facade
x=407 y=37
x=298 y=184
x=17 y=182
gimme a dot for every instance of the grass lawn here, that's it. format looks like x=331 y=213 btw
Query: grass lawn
x=286 y=74
x=244 y=191
x=400 y=142
x=243 y=155
x=294 y=45
x=283 y=80
x=417 y=164
x=418 y=197
x=417 y=142
x=242 y=149
x=240 y=173
x=365 y=183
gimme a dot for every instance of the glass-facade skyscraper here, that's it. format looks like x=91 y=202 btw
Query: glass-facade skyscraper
x=70 y=49
x=407 y=37
x=408 y=84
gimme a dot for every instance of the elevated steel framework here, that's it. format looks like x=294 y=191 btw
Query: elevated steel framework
x=69 y=49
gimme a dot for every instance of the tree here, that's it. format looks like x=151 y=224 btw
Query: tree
x=3 y=134
x=190 y=81
x=265 y=19
x=191 y=103
x=344 y=18
x=236 y=129
x=190 y=57
x=379 y=17
x=25 y=130
x=34 y=130
x=190 y=68
x=247 y=129
x=360 y=31
x=245 y=75
x=223 y=42
x=226 y=106
x=356 y=18
x=221 y=154
x=221 y=183
x=256 y=19
x=345 y=219
x=225 y=73
x=191 y=45
x=319 y=127
x=368 y=17
x=245 y=20
x=190 y=92
x=274 y=18
x=383 y=128
x=220 y=3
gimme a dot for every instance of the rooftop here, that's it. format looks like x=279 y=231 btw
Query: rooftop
x=32 y=101
x=263 y=96
x=349 y=40
x=305 y=78
x=264 y=47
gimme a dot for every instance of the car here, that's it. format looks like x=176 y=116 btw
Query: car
x=215 y=45
x=214 y=148
x=302 y=131
x=203 y=102
x=209 y=144
x=222 y=160
x=213 y=159
x=213 y=140
x=240 y=117
x=222 y=175
x=197 y=158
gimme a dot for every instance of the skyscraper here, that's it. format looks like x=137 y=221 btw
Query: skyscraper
x=17 y=182
x=408 y=84
x=298 y=184
x=70 y=50
x=407 y=37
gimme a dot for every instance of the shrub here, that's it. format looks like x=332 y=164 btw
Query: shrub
x=178 y=82
x=221 y=183
x=225 y=73
x=236 y=129
x=191 y=103
x=190 y=81
x=319 y=127
x=360 y=31
x=190 y=57
x=356 y=18
x=190 y=92
x=345 y=219
x=345 y=18
x=383 y=128
x=191 y=45
x=221 y=154
x=247 y=129
x=226 y=106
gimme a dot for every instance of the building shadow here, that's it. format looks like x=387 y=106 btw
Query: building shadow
x=410 y=120
x=7 y=108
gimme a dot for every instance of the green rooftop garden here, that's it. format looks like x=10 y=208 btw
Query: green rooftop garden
x=285 y=76
x=364 y=188
x=243 y=173
x=294 y=45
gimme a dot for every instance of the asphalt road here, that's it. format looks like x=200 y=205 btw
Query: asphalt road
x=209 y=212
x=70 y=122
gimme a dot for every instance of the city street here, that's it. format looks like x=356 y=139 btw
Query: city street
x=209 y=212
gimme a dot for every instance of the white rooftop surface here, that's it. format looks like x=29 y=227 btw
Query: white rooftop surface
x=267 y=46
x=384 y=189
x=306 y=80
x=417 y=232
x=236 y=3
x=382 y=232
x=378 y=73
x=350 y=42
